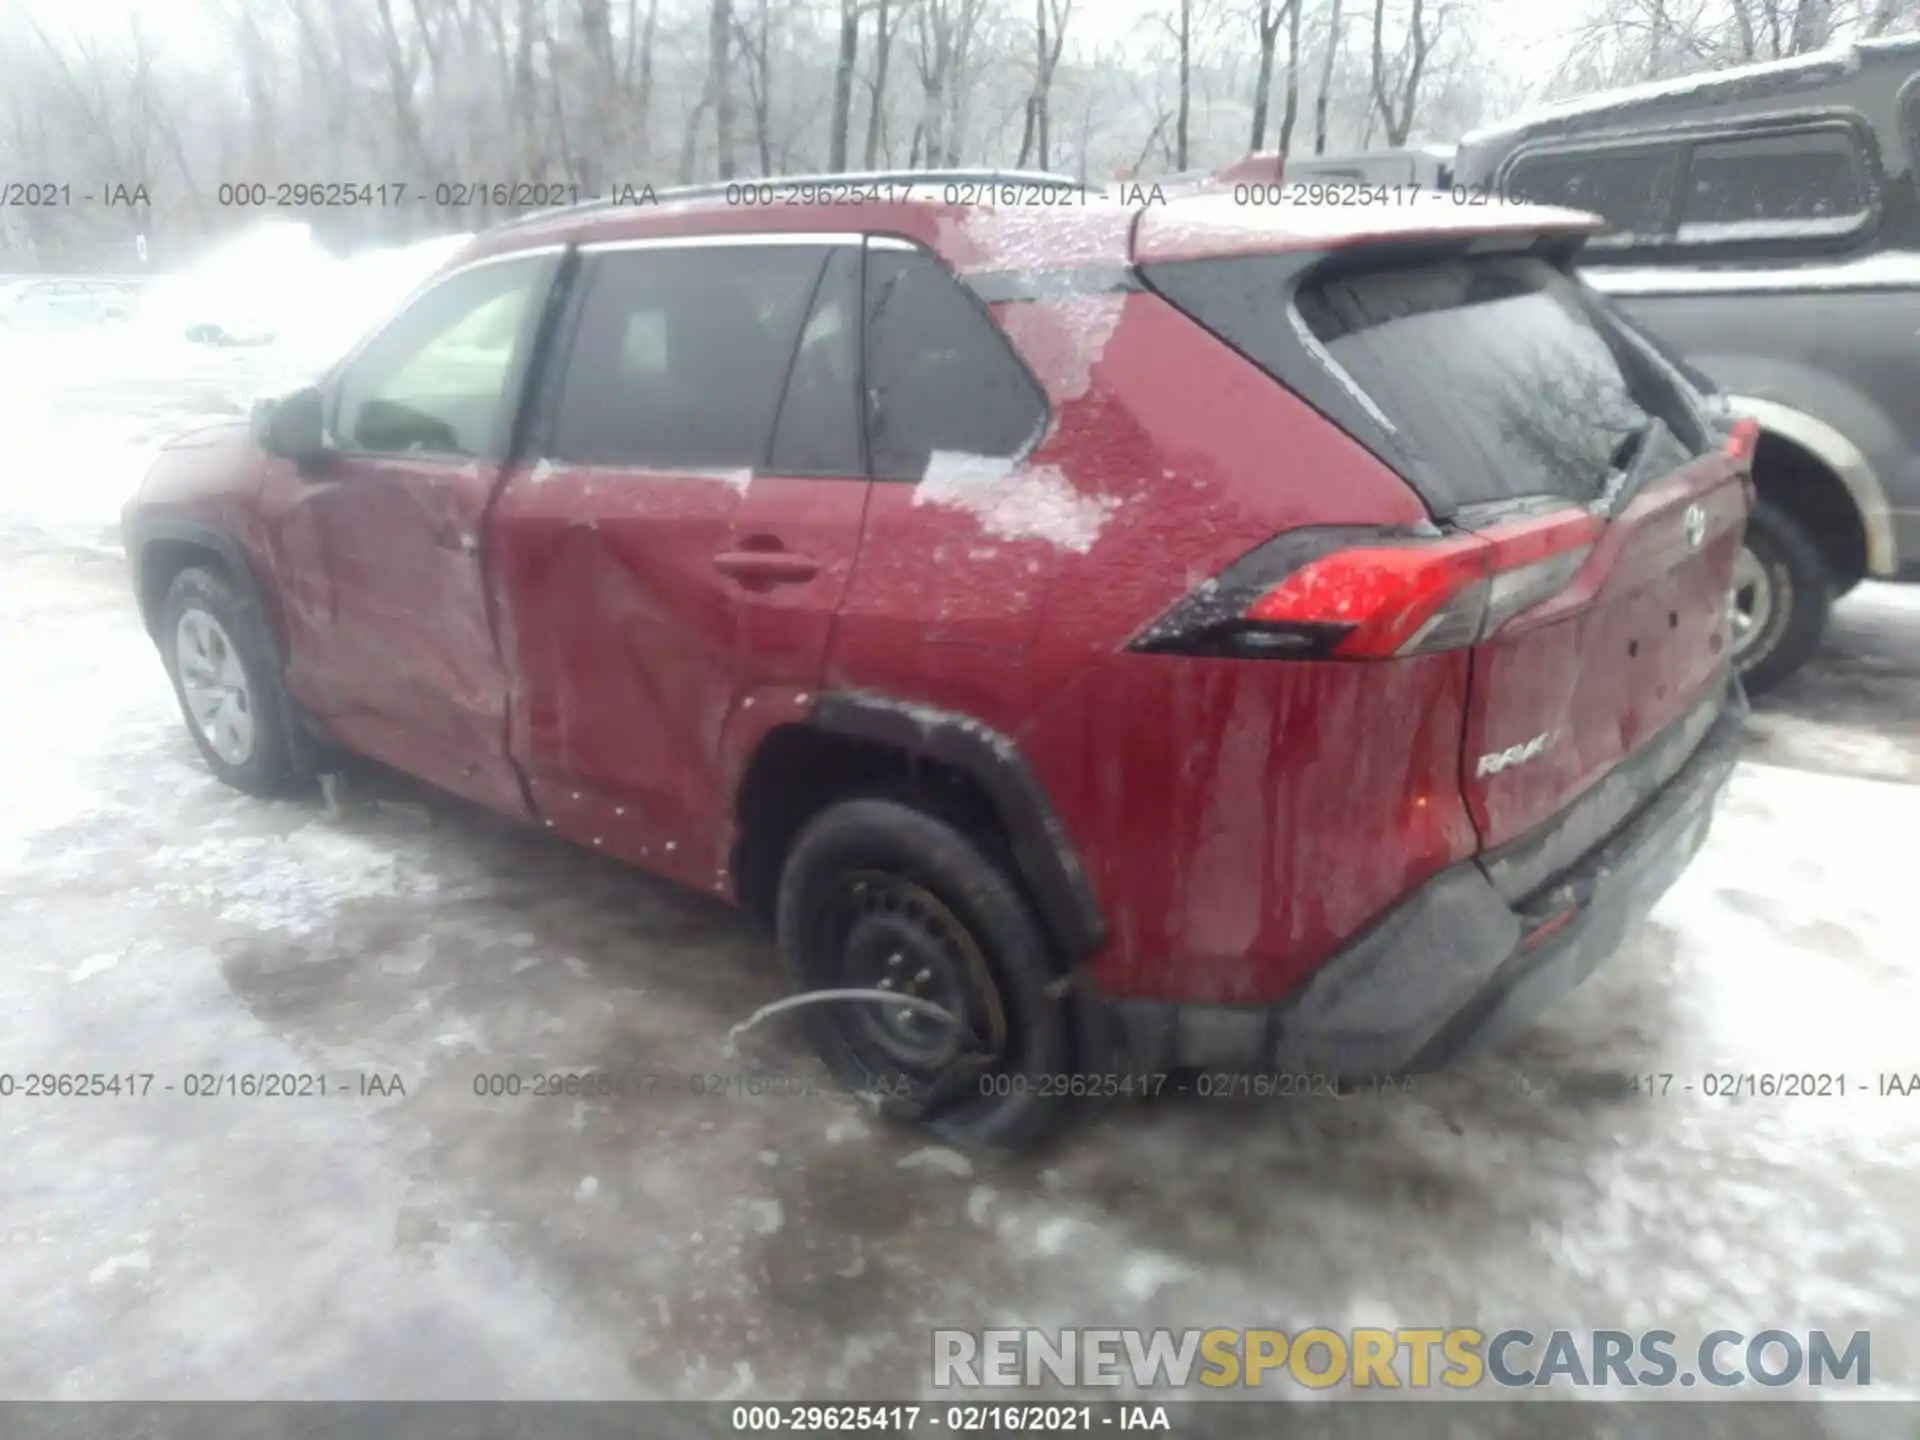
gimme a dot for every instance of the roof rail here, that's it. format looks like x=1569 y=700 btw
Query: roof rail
x=708 y=188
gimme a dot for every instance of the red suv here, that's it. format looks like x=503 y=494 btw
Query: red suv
x=1108 y=639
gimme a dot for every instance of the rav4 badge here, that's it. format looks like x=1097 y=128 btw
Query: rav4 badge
x=1514 y=755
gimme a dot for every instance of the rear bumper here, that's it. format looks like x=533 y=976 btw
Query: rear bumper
x=1455 y=968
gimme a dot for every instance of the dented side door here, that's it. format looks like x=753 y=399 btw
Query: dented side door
x=626 y=573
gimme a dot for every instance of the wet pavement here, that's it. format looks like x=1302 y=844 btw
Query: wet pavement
x=730 y=1227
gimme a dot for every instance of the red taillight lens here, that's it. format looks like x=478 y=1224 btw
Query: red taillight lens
x=1308 y=597
x=1391 y=596
x=1535 y=560
x=1743 y=439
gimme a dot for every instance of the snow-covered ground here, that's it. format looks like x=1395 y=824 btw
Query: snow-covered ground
x=438 y=1243
x=82 y=412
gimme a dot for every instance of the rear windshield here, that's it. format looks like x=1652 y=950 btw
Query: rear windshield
x=1504 y=378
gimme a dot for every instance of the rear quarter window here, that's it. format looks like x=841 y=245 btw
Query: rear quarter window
x=940 y=377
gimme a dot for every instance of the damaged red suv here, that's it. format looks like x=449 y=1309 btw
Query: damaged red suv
x=1103 y=639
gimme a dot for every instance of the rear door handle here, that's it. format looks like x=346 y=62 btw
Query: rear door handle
x=766 y=567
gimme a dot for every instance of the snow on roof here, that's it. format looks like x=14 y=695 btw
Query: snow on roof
x=1892 y=269
x=1888 y=42
x=1214 y=224
x=1601 y=101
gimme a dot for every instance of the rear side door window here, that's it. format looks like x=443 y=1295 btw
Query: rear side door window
x=681 y=354
x=1804 y=183
x=1630 y=187
x=940 y=377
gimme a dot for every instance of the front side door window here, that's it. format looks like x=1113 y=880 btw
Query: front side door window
x=434 y=381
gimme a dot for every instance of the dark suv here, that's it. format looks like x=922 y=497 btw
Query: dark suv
x=1103 y=639
x=1763 y=222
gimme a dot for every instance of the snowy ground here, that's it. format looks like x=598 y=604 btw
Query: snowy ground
x=439 y=1244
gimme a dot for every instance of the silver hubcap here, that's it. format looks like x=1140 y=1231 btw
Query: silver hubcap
x=1750 y=605
x=215 y=685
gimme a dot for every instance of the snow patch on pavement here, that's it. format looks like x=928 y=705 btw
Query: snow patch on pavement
x=133 y=1260
x=292 y=885
x=938 y=1157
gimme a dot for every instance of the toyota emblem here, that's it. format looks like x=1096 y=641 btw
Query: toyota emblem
x=1696 y=525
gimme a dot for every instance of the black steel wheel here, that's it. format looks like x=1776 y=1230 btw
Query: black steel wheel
x=877 y=896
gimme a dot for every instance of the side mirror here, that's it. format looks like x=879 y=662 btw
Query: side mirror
x=293 y=426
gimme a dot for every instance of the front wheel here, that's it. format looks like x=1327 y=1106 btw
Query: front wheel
x=217 y=652
x=878 y=896
x=1781 y=594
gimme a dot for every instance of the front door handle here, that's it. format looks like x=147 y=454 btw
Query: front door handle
x=766 y=567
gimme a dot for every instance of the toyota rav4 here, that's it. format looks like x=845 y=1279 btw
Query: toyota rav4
x=1101 y=640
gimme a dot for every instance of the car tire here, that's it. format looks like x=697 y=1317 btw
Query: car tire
x=220 y=658
x=875 y=888
x=1783 y=587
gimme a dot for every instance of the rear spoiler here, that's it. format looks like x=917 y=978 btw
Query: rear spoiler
x=1212 y=225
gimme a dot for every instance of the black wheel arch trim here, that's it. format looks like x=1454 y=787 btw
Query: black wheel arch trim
x=142 y=533
x=1048 y=863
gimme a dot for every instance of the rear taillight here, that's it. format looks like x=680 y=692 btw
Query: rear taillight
x=1320 y=595
x=1390 y=600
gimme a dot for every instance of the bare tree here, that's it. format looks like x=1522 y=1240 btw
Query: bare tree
x=1880 y=18
x=402 y=61
x=887 y=18
x=945 y=34
x=1321 y=95
x=1290 y=115
x=1267 y=21
x=720 y=82
x=756 y=44
x=1183 y=115
x=638 y=89
x=1396 y=82
x=849 y=58
x=1046 y=60
x=933 y=59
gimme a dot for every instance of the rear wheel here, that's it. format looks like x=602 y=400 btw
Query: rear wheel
x=878 y=896
x=1781 y=594
x=216 y=649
